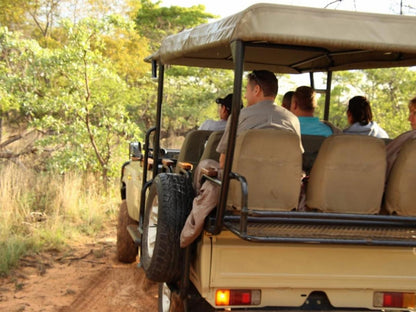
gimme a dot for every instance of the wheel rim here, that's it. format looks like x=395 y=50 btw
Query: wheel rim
x=165 y=298
x=152 y=230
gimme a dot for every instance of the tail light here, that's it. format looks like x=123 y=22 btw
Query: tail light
x=237 y=297
x=404 y=300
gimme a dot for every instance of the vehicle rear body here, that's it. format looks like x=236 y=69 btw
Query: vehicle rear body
x=344 y=257
x=285 y=273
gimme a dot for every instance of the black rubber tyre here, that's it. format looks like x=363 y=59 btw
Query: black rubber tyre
x=167 y=206
x=126 y=248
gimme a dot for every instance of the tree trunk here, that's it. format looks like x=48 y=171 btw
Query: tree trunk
x=1 y=127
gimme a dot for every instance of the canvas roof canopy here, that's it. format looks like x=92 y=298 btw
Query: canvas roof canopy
x=290 y=39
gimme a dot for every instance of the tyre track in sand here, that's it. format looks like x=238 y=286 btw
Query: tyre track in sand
x=116 y=289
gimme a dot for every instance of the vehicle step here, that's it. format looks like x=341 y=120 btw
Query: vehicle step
x=325 y=228
x=134 y=232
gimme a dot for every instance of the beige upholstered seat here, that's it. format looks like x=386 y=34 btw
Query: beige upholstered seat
x=400 y=188
x=193 y=147
x=348 y=175
x=271 y=161
x=311 y=145
x=210 y=151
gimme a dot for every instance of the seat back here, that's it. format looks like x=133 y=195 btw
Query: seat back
x=193 y=147
x=210 y=151
x=271 y=162
x=348 y=175
x=311 y=145
x=400 y=184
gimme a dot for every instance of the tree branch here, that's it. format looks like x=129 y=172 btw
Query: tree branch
x=87 y=116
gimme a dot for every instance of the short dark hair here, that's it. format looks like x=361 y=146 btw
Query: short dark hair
x=266 y=80
x=360 y=110
x=306 y=98
x=287 y=99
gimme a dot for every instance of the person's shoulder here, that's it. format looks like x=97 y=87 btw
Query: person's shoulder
x=205 y=125
x=213 y=125
x=334 y=129
x=406 y=135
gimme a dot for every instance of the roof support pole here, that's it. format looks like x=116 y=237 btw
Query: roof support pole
x=312 y=80
x=238 y=49
x=156 y=141
x=328 y=94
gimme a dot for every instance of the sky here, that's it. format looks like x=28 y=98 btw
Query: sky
x=223 y=8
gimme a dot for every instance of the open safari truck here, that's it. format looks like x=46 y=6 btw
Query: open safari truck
x=354 y=249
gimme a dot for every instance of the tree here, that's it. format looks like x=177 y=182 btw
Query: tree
x=13 y=13
x=72 y=96
x=155 y=22
x=126 y=49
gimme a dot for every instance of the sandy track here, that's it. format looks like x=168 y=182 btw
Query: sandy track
x=88 y=278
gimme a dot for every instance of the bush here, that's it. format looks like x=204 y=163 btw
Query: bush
x=41 y=211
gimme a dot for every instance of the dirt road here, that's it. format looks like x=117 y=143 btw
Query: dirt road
x=86 y=278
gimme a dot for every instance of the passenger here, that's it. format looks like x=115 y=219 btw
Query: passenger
x=303 y=105
x=287 y=99
x=224 y=111
x=261 y=112
x=360 y=119
x=394 y=147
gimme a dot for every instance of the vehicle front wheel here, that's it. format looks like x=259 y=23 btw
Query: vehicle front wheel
x=167 y=207
x=169 y=301
x=126 y=248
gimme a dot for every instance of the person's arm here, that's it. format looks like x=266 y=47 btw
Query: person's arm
x=222 y=160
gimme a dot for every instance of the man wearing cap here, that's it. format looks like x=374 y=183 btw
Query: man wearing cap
x=224 y=110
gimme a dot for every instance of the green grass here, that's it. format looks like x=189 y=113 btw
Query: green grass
x=46 y=211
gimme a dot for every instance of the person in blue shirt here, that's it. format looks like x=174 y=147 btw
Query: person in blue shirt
x=303 y=105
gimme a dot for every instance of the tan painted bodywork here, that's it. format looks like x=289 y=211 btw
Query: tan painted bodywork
x=287 y=273
x=132 y=179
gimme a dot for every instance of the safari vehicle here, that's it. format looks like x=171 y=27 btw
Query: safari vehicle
x=257 y=253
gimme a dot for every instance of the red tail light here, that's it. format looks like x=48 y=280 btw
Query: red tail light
x=237 y=297
x=395 y=300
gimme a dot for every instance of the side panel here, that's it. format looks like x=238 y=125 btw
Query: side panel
x=288 y=273
x=132 y=180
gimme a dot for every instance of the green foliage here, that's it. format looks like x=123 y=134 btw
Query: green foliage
x=155 y=22
x=11 y=250
x=184 y=107
x=42 y=211
x=73 y=94
x=12 y=13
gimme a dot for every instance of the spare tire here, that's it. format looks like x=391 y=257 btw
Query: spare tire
x=167 y=207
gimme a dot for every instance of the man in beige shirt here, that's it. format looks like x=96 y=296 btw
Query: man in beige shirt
x=261 y=112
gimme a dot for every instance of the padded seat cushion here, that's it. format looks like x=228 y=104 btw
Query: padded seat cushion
x=401 y=183
x=348 y=175
x=271 y=162
x=210 y=151
x=311 y=145
x=193 y=147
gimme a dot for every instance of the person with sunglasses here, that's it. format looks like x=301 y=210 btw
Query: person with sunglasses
x=261 y=110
